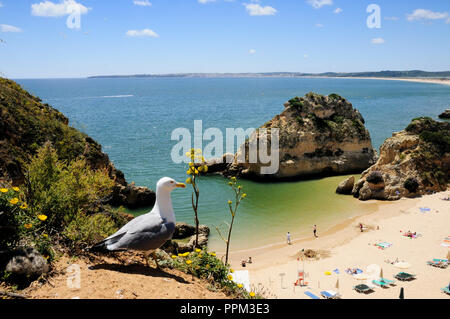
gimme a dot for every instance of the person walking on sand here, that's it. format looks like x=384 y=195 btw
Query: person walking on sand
x=315 y=231
x=288 y=237
x=361 y=227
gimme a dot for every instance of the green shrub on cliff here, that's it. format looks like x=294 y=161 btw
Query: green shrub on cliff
x=58 y=198
x=62 y=190
x=440 y=139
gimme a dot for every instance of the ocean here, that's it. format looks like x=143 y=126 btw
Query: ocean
x=133 y=119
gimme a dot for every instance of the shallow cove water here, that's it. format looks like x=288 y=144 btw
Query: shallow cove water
x=133 y=120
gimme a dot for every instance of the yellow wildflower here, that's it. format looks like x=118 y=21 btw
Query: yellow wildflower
x=45 y=235
x=24 y=206
x=189 y=172
x=230 y=183
x=198 y=250
x=230 y=202
x=189 y=181
x=188 y=261
x=244 y=195
x=3 y=190
x=42 y=218
x=212 y=254
x=16 y=189
x=188 y=154
x=200 y=255
x=207 y=266
x=173 y=256
x=230 y=277
x=252 y=294
x=240 y=285
x=231 y=270
x=28 y=226
x=205 y=168
x=191 y=164
x=196 y=171
x=46 y=257
x=14 y=201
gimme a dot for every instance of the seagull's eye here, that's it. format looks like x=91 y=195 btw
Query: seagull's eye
x=172 y=182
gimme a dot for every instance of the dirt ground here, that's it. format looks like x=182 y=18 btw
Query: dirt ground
x=128 y=277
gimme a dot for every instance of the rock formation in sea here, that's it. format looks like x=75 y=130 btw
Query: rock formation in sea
x=318 y=136
x=445 y=115
x=26 y=124
x=412 y=162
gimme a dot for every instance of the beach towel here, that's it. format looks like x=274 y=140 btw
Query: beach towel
x=358 y=271
x=446 y=242
x=383 y=245
x=424 y=209
x=311 y=295
x=336 y=271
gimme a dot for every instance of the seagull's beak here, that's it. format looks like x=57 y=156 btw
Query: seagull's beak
x=181 y=185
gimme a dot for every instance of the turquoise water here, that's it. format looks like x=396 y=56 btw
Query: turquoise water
x=133 y=120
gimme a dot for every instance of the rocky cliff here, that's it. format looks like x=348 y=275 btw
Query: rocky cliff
x=318 y=136
x=26 y=124
x=412 y=162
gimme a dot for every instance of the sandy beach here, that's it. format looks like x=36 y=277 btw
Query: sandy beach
x=345 y=246
x=443 y=81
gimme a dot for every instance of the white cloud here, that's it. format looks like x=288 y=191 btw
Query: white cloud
x=378 y=41
x=205 y=1
x=320 y=3
x=144 y=3
x=254 y=9
x=50 y=9
x=252 y=51
x=424 y=14
x=9 y=28
x=338 y=10
x=142 y=33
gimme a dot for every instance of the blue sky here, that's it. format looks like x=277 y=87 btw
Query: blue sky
x=176 y=36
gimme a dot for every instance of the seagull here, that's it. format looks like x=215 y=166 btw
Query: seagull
x=147 y=232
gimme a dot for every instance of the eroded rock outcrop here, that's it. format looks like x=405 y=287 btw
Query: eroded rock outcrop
x=318 y=136
x=412 y=162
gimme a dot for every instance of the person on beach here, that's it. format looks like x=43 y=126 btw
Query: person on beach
x=249 y=261
x=315 y=231
x=288 y=237
x=361 y=227
x=243 y=263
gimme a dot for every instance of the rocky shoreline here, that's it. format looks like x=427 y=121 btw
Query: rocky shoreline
x=27 y=124
x=413 y=162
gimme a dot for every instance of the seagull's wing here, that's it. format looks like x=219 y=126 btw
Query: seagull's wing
x=149 y=233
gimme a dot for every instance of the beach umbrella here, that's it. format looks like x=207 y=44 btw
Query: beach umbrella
x=381 y=273
x=402 y=294
x=402 y=265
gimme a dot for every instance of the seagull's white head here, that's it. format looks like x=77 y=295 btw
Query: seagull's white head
x=169 y=184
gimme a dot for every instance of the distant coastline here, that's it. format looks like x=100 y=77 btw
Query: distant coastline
x=416 y=75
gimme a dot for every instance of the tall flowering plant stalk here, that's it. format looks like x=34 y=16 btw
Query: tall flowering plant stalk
x=196 y=166
x=233 y=206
